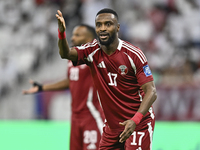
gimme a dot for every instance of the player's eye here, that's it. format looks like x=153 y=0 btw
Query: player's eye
x=108 y=24
x=98 y=25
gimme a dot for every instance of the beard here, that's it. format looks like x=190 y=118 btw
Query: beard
x=109 y=41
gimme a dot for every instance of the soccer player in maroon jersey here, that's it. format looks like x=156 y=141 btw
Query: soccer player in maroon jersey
x=123 y=80
x=87 y=116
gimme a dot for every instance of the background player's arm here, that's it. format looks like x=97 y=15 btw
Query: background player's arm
x=61 y=85
x=64 y=50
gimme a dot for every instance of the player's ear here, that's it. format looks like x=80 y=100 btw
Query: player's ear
x=118 y=27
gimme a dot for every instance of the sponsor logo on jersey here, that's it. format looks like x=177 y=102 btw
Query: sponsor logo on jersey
x=147 y=71
x=101 y=65
x=123 y=70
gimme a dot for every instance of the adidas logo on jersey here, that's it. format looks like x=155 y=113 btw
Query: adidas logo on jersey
x=101 y=65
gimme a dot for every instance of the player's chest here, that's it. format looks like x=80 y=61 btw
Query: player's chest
x=114 y=66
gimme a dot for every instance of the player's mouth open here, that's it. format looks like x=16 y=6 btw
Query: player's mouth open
x=103 y=36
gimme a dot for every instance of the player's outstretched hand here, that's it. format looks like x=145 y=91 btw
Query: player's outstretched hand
x=128 y=130
x=61 y=21
x=36 y=87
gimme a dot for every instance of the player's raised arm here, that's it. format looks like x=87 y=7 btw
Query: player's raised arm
x=64 y=50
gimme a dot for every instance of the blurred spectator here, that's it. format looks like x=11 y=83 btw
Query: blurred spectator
x=90 y=8
x=8 y=72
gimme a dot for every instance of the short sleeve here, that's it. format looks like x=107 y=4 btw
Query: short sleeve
x=143 y=72
x=84 y=51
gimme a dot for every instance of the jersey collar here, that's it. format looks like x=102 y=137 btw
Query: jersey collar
x=119 y=45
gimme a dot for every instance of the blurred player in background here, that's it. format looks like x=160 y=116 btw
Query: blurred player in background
x=123 y=80
x=87 y=117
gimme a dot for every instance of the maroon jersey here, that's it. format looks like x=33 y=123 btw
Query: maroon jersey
x=87 y=115
x=118 y=78
x=84 y=96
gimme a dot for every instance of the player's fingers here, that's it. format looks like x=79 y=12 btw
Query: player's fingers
x=122 y=123
x=60 y=20
x=124 y=135
x=25 y=92
x=31 y=81
x=31 y=90
x=59 y=13
x=58 y=17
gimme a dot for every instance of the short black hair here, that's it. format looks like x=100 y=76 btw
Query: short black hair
x=107 y=10
x=90 y=29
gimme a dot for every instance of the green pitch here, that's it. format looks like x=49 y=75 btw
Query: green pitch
x=51 y=135
x=176 y=136
x=34 y=135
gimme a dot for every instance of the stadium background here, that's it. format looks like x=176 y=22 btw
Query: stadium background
x=168 y=31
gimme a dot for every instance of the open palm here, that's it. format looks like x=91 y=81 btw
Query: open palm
x=32 y=90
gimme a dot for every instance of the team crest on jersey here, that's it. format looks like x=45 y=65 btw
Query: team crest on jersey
x=123 y=70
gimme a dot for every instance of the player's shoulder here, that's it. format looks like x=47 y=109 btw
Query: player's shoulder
x=133 y=51
x=129 y=46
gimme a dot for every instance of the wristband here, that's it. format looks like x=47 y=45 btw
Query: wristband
x=137 y=118
x=61 y=35
x=38 y=85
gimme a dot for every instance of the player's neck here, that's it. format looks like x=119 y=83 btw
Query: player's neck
x=110 y=49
